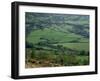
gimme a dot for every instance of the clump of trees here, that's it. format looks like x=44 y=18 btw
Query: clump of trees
x=84 y=53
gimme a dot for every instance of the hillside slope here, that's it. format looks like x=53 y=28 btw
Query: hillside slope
x=56 y=40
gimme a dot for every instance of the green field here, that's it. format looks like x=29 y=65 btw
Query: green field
x=76 y=46
x=54 y=40
x=53 y=35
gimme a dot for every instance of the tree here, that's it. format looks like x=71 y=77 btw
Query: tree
x=82 y=53
x=29 y=45
x=33 y=53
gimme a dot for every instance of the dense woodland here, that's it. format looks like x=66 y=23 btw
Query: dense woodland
x=56 y=40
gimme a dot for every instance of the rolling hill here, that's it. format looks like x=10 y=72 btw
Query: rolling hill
x=59 y=39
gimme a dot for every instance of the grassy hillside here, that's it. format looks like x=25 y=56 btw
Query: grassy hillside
x=56 y=40
x=61 y=38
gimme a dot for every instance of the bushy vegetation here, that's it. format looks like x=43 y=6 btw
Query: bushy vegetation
x=45 y=55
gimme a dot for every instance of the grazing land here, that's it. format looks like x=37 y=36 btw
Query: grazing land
x=55 y=40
